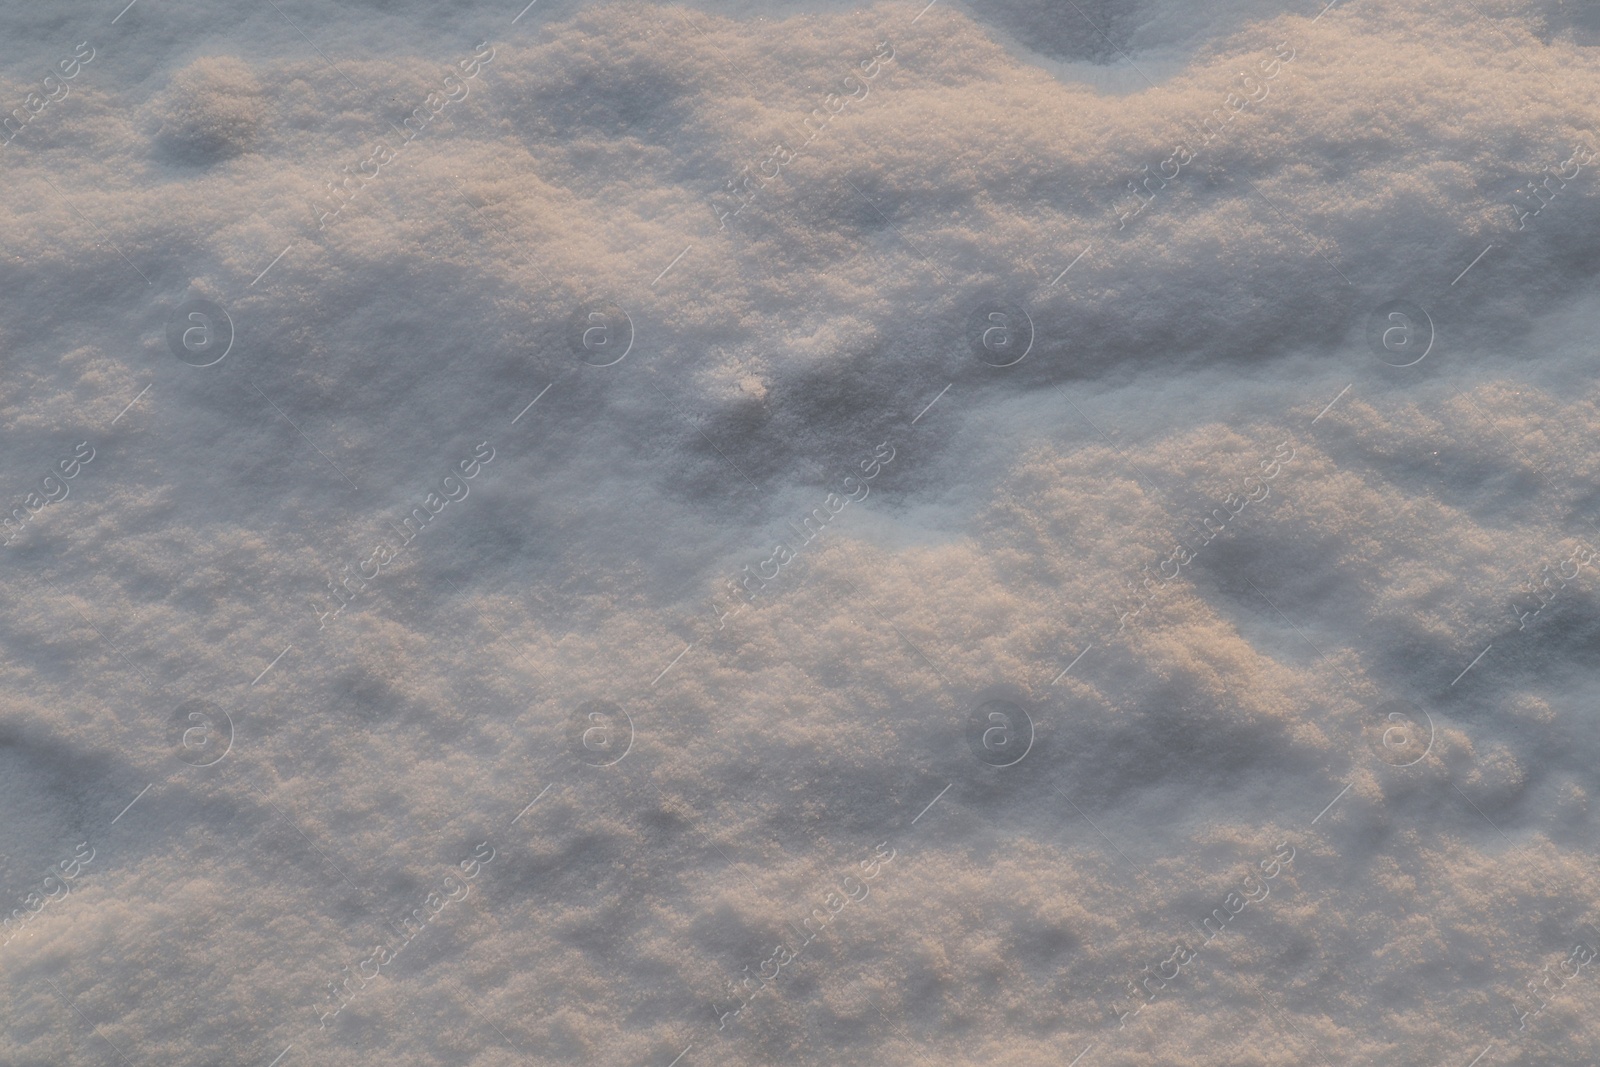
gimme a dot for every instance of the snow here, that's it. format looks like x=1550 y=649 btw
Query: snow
x=616 y=758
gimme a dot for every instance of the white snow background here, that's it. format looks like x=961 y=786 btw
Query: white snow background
x=1296 y=644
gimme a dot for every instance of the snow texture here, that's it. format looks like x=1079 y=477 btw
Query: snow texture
x=798 y=532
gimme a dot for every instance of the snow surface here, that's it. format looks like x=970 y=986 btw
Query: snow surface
x=606 y=756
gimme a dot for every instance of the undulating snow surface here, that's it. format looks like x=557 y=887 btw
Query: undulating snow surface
x=800 y=533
